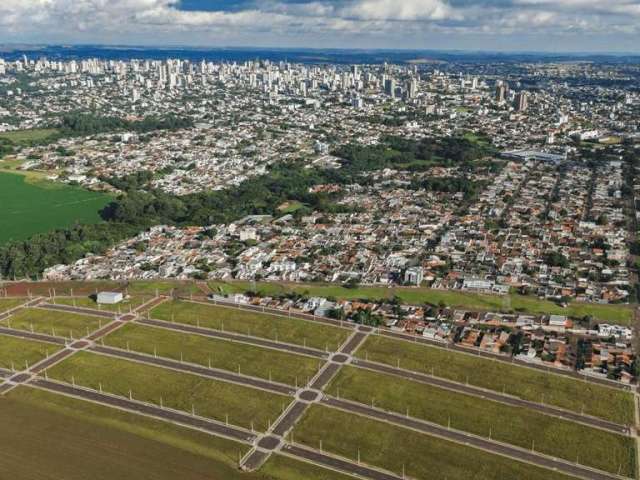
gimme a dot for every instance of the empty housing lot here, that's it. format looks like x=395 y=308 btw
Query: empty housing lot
x=223 y=391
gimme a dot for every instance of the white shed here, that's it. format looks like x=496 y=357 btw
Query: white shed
x=109 y=298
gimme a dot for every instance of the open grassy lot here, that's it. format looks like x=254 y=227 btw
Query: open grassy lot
x=17 y=352
x=27 y=136
x=29 y=208
x=181 y=391
x=523 y=382
x=162 y=287
x=283 y=329
x=390 y=447
x=130 y=303
x=9 y=303
x=516 y=426
x=620 y=314
x=54 y=322
x=105 y=444
x=254 y=361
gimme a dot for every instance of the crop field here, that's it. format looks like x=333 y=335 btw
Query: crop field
x=619 y=314
x=18 y=353
x=255 y=361
x=288 y=330
x=513 y=425
x=31 y=208
x=9 y=303
x=112 y=444
x=54 y=322
x=130 y=303
x=522 y=382
x=27 y=136
x=180 y=391
x=389 y=447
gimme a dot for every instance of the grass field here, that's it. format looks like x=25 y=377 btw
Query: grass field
x=254 y=361
x=522 y=382
x=516 y=426
x=133 y=302
x=620 y=314
x=28 y=208
x=9 y=303
x=283 y=329
x=106 y=444
x=27 y=136
x=181 y=391
x=391 y=448
x=18 y=353
x=162 y=287
x=54 y=322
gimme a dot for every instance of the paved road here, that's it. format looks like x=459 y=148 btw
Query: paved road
x=5 y=373
x=338 y=464
x=52 y=360
x=235 y=337
x=214 y=374
x=290 y=418
x=495 y=396
x=470 y=440
x=147 y=409
x=41 y=337
x=80 y=310
x=104 y=331
x=501 y=358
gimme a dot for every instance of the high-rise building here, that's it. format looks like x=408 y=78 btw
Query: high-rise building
x=412 y=88
x=501 y=92
x=522 y=101
x=390 y=87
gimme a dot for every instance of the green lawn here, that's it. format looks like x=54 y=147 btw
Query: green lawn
x=162 y=287
x=133 y=302
x=9 y=303
x=512 y=425
x=181 y=391
x=254 y=361
x=522 y=382
x=29 y=208
x=390 y=447
x=273 y=327
x=55 y=322
x=112 y=444
x=17 y=352
x=620 y=314
x=27 y=136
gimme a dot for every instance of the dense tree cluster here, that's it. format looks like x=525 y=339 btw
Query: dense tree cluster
x=80 y=124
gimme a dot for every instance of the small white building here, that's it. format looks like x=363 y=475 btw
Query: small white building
x=109 y=298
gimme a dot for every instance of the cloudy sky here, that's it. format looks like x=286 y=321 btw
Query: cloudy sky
x=506 y=25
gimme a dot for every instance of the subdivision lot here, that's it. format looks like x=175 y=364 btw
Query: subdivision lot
x=208 y=398
x=528 y=384
x=18 y=353
x=130 y=303
x=514 y=425
x=249 y=360
x=104 y=443
x=289 y=330
x=55 y=323
x=392 y=448
x=9 y=303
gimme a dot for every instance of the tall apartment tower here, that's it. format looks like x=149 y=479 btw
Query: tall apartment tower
x=522 y=101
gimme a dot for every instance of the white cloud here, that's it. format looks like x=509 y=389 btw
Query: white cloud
x=279 y=21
